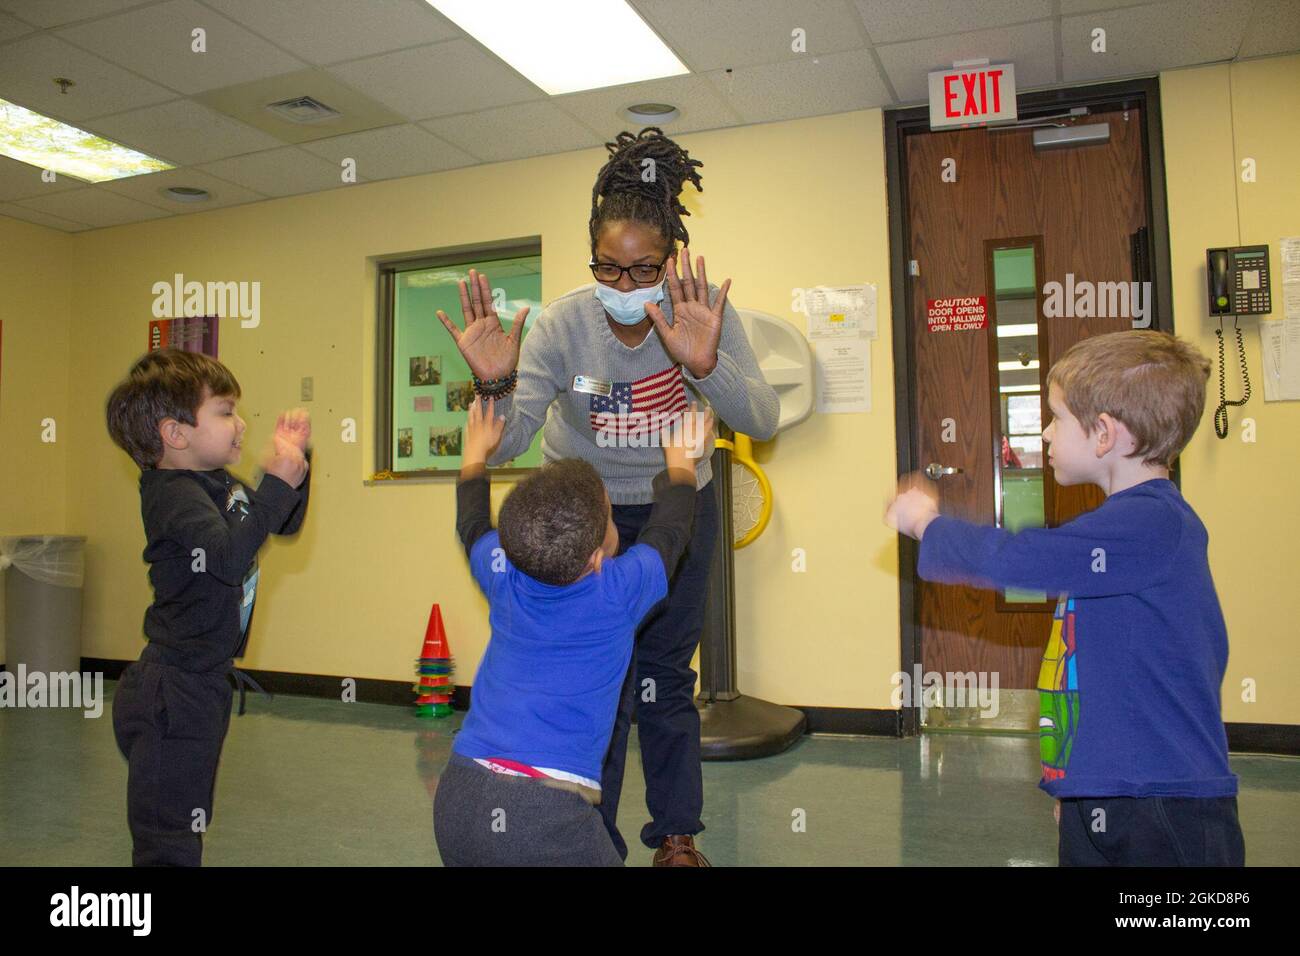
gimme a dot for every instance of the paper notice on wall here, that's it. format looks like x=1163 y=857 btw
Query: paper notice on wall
x=1291 y=277
x=843 y=374
x=1279 y=346
x=845 y=311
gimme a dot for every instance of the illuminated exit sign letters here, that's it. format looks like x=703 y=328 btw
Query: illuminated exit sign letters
x=973 y=95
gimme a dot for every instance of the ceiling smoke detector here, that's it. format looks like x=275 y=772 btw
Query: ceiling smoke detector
x=303 y=110
x=186 y=194
x=651 y=114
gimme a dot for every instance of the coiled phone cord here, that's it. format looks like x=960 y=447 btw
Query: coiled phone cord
x=1221 y=413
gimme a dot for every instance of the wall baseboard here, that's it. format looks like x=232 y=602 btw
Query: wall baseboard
x=1280 y=739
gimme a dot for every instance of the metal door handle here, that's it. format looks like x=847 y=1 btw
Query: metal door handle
x=935 y=471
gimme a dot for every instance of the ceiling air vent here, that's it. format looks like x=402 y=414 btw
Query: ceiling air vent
x=303 y=109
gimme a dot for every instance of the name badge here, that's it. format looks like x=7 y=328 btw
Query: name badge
x=592 y=386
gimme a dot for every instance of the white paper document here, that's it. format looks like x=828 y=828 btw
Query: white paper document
x=1279 y=344
x=843 y=374
x=845 y=311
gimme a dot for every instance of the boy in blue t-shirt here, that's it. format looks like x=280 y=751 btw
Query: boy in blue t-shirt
x=523 y=781
x=1131 y=735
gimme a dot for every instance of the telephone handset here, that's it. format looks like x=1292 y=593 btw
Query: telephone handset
x=1238 y=285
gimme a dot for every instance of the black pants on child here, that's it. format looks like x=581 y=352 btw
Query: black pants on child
x=170 y=725
x=1151 y=831
x=668 y=726
x=483 y=818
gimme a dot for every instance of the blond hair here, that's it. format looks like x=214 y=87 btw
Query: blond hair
x=1151 y=381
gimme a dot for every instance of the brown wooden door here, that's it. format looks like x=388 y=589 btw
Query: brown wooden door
x=1078 y=210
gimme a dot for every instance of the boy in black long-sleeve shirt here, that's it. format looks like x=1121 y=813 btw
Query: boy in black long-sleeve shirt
x=175 y=415
x=523 y=781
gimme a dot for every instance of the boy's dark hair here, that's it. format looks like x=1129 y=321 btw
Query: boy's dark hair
x=553 y=520
x=629 y=197
x=167 y=383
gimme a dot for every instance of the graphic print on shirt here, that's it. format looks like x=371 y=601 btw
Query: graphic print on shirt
x=237 y=501
x=1058 y=694
x=638 y=408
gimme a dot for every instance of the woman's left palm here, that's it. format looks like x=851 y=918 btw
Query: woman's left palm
x=693 y=337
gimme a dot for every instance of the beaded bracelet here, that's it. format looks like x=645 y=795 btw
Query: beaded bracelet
x=495 y=387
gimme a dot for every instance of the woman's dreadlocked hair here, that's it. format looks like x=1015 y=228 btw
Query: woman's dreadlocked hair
x=627 y=196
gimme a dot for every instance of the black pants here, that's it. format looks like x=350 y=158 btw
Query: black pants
x=668 y=725
x=1151 y=831
x=482 y=818
x=170 y=725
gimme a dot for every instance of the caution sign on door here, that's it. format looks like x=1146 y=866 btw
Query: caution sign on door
x=957 y=314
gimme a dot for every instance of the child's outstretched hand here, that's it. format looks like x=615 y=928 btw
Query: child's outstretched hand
x=687 y=438
x=294 y=426
x=482 y=431
x=286 y=460
x=914 y=507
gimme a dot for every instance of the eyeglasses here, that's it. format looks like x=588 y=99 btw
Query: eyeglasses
x=642 y=273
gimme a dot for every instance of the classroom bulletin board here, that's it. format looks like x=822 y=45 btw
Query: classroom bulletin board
x=432 y=387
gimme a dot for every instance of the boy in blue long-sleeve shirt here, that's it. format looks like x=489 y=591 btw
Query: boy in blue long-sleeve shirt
x=1131 y=735
x=523 y=782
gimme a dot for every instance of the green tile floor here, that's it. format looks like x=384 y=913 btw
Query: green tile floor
x=308 y=782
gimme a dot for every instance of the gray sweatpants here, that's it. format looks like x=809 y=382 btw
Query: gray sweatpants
x=481 y=818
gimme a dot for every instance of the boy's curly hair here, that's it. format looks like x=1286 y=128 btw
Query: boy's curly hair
x=553 y=520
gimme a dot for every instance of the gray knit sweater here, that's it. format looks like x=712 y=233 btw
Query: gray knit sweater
x=572 y=338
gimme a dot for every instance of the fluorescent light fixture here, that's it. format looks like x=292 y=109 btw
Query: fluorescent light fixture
x=1016 y=331
x=1019 y=388
x=40 y=141
x=1015 y=366
x=564 y=46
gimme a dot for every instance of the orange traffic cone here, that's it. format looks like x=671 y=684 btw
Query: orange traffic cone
x=434 y=667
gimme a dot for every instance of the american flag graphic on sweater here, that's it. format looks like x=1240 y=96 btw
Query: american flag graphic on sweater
x=640 y=407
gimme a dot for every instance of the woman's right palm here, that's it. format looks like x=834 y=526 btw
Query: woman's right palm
x=488 y=350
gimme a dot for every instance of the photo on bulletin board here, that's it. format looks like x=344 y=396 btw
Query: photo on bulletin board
x=429 y=383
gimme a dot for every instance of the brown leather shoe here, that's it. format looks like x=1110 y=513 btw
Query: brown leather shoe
x=679 y=851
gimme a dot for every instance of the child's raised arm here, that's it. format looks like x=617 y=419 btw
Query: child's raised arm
x=473 y=492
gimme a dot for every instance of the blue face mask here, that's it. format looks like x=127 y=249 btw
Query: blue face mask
x=628 y=308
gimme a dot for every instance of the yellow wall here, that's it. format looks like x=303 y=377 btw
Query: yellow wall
x=785 y=205
x=1244 y=492
x=35 y=380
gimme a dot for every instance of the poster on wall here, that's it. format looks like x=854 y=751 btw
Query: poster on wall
x=432 y=387
x=190 y=334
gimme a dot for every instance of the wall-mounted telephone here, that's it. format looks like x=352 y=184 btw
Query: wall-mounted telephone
x=1238 y=285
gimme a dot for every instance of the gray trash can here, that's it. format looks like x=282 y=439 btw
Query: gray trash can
x=43 y=601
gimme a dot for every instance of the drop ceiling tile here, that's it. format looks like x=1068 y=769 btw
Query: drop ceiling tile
x=183 y=132
x=28 y=67
x=23 y=181
x=1274 y=28
x=1153 y=37
x=391 y=152
x=889 y=21
x=747 y=33
x=287 y=171
x=149 y=188
x=156 y=42
x=10 y=28
x=835 y=83
x=437 y=80
x=513 y=132
x=1071 y=7
x=326 y=31
x=1030 y=46
x=54 y=13
x=94 y=206
x=699 y=103
x=40 y=218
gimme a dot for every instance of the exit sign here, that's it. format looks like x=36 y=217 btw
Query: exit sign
x=973 y=95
